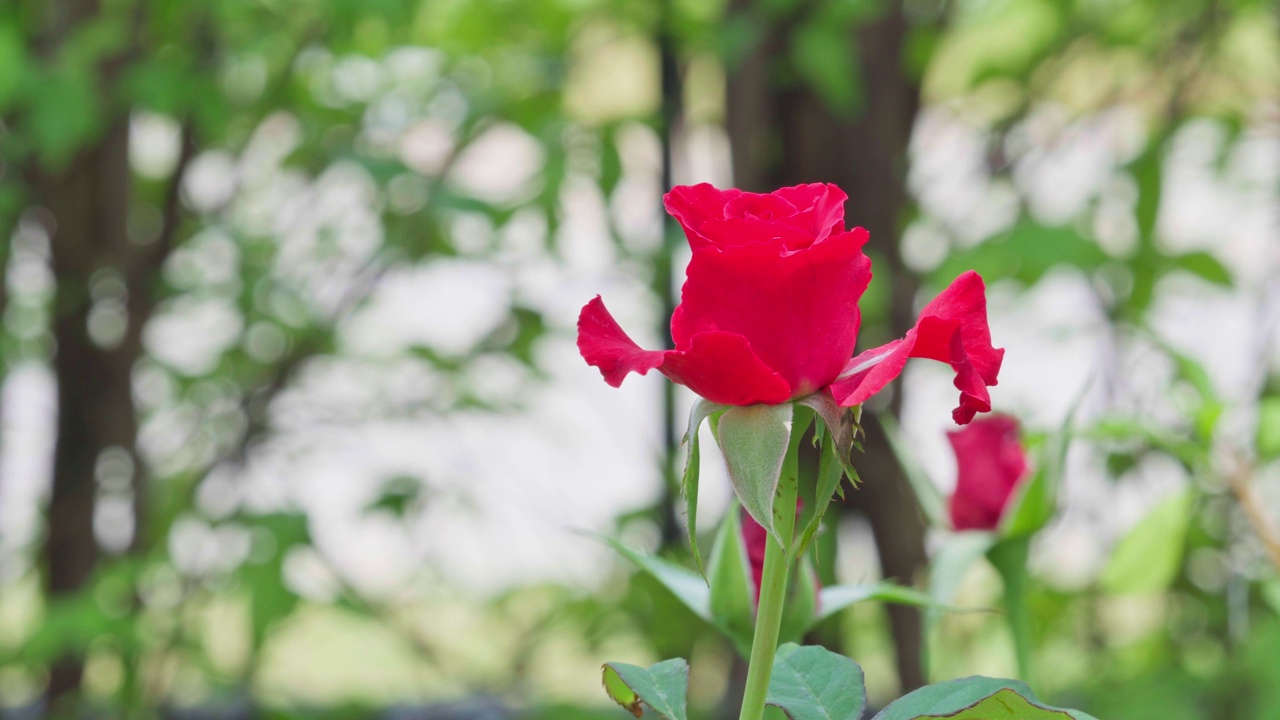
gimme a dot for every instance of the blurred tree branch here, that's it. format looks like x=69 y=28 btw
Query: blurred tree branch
x=1240 y=480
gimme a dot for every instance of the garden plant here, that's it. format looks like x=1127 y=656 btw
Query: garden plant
x=765 y=335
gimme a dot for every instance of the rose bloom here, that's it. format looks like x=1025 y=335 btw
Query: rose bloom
x=769 y=309
x=991 y=465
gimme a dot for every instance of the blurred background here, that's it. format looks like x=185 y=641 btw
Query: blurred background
x=294 y=424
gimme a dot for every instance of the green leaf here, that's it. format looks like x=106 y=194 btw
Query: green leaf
x=398 y=495
x=754 y=441
x=813 y=683
x=1206 y=415
x=1026 y=253
x=702 y=409
x=1270 y=591
x=1148 y=558
x=732 y=590
x=953 y=561
x=271 y=599
x=972 y=698
x=1037 y=500
x=835 y=598
x=685 y=584
x=824 y=57
x=1147 y=171
x=830 y=472
x=1009 y=557
x=663 y=687
x=801 y=603
x=1268 y=438
x=1031 y=507
x=1006 y=704
x=64 y=115
x=1205 y=266
x=13 y=63
x=932 y=503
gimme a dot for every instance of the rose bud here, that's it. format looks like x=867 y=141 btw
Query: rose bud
x=991 y=465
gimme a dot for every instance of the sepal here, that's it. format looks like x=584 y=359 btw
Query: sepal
x=754 y=440
x=701 y=410
x=835 y=437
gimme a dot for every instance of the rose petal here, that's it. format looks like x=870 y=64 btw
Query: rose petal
x=722 y=367
x=719 y=366
x=951 y=329
x=694 y=205
x=797 y=310
x=735 y=232
x=820 y=208
x=800 y=215
x=604 y=345
x=990 y=463
x=754 y=206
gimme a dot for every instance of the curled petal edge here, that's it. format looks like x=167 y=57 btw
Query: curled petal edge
x=951 y=329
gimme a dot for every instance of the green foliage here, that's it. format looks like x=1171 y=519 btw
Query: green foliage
x=1268 y=436
x=1036 y=501
x=733 y=591
x=813 y=683
x=975 y=698
x=801 y=608
x=1007 y=704
x=1009 y=557
x=271 y=600
x=688 y=586
x=218 y=73
x=952 y=562
x=835 y=598
x=1025 y=253
x=825 y=59
x=65 y=115
x=663 y=687
x=728 y=602
x=1149 y=557
x=13 y=63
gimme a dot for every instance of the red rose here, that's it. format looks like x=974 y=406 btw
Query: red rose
x=991 y=463
x=769 y=310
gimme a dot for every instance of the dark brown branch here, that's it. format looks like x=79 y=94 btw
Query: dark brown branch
x=171 y=212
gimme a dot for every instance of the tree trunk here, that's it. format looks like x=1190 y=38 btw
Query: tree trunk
x=87 y=204
x=787 y=135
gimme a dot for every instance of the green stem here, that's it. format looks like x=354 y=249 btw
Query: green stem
x=773 y=592
x=1010 y=559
